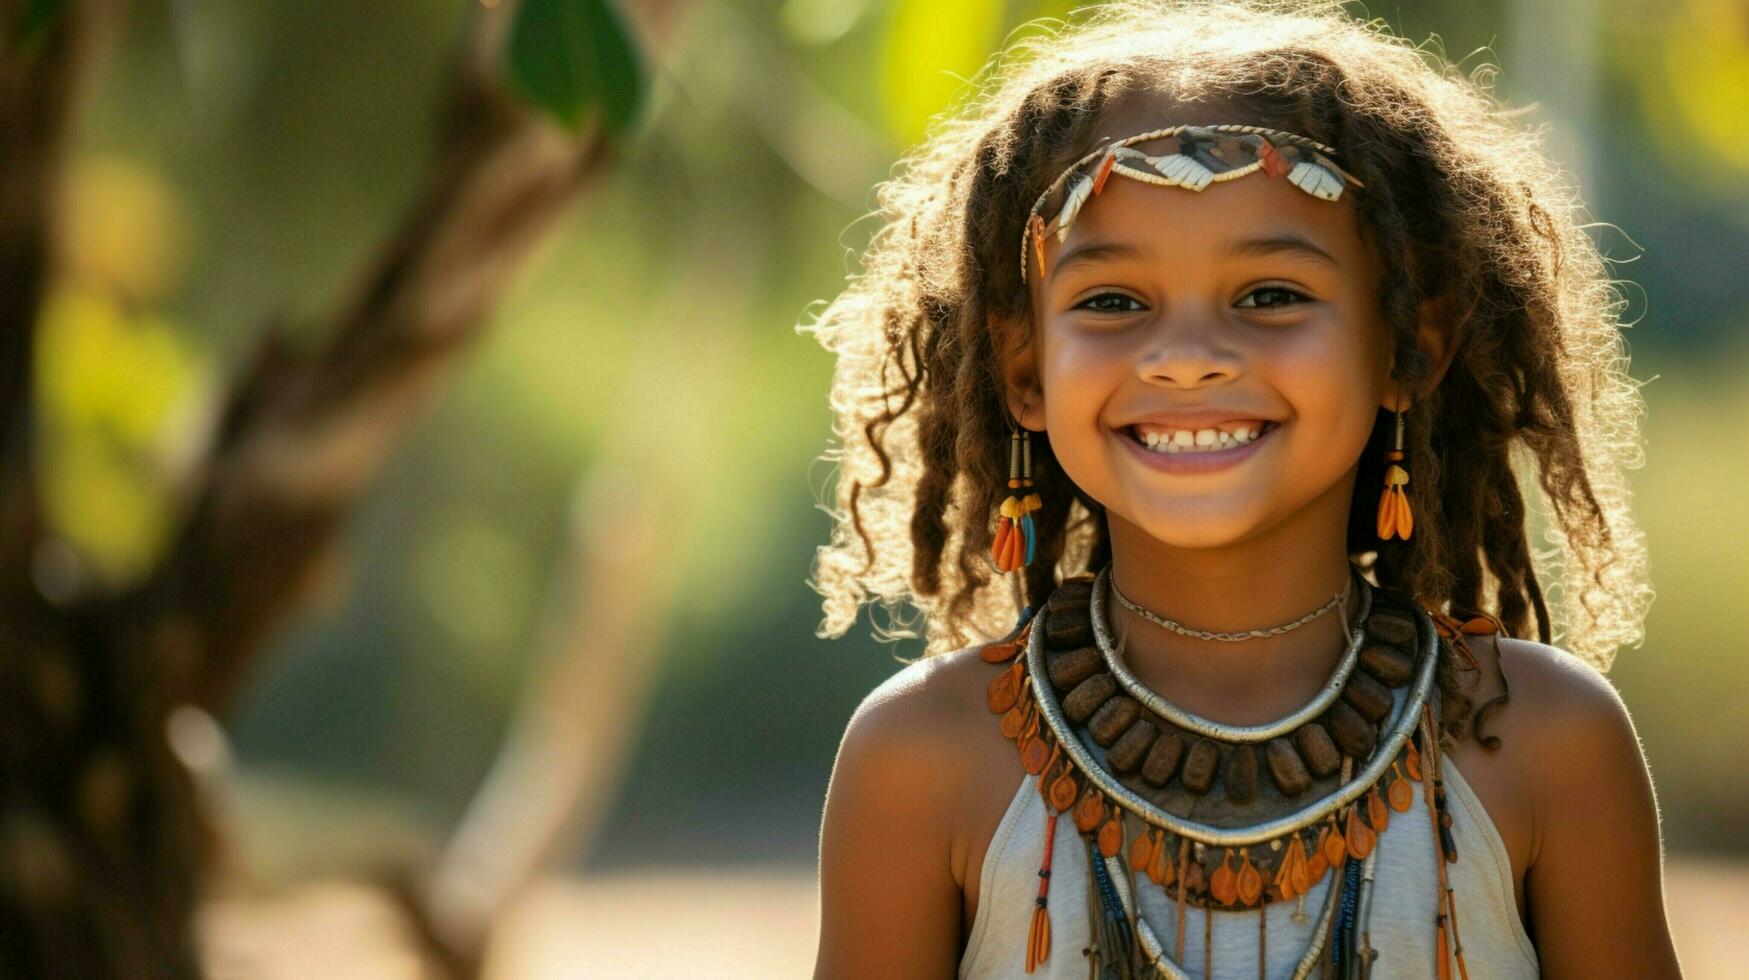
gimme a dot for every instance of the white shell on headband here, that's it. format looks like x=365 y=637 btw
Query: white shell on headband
x=1315 y=180
x=1184 y=172
x=1205 y=155
x=1078 y=194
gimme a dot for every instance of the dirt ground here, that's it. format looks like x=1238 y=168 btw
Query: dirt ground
x=722 y=923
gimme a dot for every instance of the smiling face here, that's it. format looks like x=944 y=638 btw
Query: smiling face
x=1207 y=363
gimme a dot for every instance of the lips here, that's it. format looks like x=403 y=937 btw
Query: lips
x=1171 y=438
x=1195 y=459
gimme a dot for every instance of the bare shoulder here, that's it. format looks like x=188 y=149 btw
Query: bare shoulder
x=927 y=698
x=1563 y=690
x=1565 y=722
x=1553 y=696
x=890 y=904
x=1595 y=861
x=912 y=726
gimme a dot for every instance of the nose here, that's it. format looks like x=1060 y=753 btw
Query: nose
x=1187 y=351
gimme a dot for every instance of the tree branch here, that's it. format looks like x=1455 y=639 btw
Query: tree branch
x=303 y=436
x=43 y=79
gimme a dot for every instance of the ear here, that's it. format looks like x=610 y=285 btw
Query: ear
x=1436 y=336
x=1022 y=390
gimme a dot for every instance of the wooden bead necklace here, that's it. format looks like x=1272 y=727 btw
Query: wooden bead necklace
x=1211 y=829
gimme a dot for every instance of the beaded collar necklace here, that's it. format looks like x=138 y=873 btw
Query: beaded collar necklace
x=1184 y=797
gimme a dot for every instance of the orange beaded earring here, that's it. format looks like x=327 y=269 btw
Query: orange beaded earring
x=1395 y=519
x=1016 y=540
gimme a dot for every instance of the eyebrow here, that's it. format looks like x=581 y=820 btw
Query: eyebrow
x=1095 y=250
x=1287 y=243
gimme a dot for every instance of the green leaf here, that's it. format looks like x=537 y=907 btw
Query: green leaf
x=571 y=58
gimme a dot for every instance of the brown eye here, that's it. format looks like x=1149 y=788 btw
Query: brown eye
x=1107 y=308
x=1274 y=296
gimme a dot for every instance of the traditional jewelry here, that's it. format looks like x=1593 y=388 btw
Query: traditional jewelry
x=1395 y=519
x=1156 y=952
x=1065 y=738
x=1368 y=732
x=1016 y=540
x=1177 y=627
x=1192 y=157
x=1154 y=702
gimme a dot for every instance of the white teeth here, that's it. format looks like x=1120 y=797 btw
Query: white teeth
x=1200 y=440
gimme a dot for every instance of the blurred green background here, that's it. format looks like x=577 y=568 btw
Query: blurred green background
x=239 y=160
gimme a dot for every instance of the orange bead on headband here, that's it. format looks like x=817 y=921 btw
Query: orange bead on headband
x=1191 y=157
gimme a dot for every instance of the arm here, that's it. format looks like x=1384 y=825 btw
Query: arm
x=889 y=904
x=1594 y=888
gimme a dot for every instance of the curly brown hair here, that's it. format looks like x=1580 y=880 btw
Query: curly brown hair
x=1465 y=209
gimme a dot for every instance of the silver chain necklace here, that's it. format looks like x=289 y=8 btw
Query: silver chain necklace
x=1340 y=599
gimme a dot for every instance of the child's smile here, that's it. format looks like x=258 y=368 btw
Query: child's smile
x=1209 y=362
x=1183 y=448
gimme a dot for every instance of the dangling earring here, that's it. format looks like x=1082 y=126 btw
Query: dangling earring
x=1016 y=541
x=1394 y=516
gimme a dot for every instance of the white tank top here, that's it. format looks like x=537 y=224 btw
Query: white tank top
x=1401 y=926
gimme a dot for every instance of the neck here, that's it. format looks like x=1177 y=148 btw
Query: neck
x=1269 y=579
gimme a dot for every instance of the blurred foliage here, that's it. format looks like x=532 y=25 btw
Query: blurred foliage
x=240 y=160
x=119 y=386
x=37 y=18
x=574 y=57
x=932 y=47
x=111 y=387
x=1697 y=110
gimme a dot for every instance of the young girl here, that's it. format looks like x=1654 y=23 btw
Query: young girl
x=1207 y=361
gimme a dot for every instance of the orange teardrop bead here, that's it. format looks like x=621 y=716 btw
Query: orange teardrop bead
x=1064 y=790
x=1222 y=884
x=1377 y=813
x=1298 y=874
x=1111 y=838
x=1163 y=872
x=1089 y=811
x=1012 y=722
x=1335 y=848
x=1315 y=868
x=1360 y=836
x=1402 y=797
x=1250 y=882
x=1034 y=755
x=1283 y=885
x=1412 y=762
x=1142 y=852
x=1004 y=691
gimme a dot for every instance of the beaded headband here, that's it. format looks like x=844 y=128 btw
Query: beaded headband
x=1191 y=157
